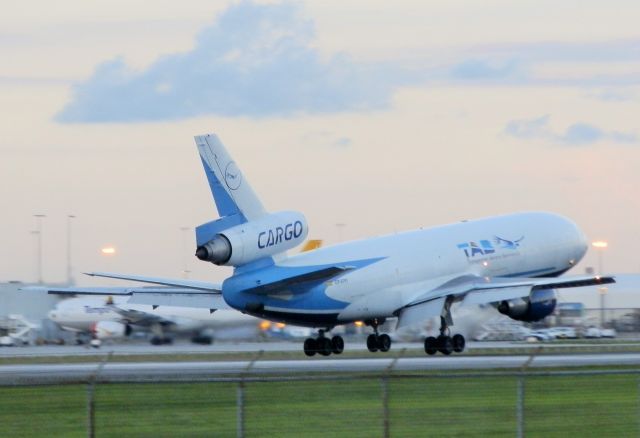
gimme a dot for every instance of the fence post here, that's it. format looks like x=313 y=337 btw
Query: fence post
x=91 y=409
x=91 y=401
x=240 y=407
x=385 y=407
x=240 y=394
x=520 y=407
x=386 y=421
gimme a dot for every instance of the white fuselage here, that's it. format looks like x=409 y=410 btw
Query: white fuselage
x=416 y=262
x=82 y=313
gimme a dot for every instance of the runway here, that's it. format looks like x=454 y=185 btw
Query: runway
x=40 y=373
x=178 y=348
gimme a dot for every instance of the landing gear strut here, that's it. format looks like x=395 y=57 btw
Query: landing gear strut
x=376 y=341
x=323 y=345
x=445 y=343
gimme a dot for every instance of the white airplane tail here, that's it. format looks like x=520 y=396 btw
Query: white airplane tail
x=245 y=232
x=231 y=191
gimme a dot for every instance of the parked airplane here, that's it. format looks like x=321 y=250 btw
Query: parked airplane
x=114 y=318
x=512 y=261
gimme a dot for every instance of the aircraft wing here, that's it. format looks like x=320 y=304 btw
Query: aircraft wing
x=471 y=289
x=141 y=318
x=154 y=296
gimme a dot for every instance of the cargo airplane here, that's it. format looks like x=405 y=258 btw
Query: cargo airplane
x=513 y=262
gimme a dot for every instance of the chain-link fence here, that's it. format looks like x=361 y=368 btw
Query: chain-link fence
x=580 y=403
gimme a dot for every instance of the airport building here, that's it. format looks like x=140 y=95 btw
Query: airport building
x=23 y=313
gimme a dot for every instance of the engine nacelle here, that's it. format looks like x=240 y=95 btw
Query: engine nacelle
x=244 y=243
x=539 y=304
x=110 y=330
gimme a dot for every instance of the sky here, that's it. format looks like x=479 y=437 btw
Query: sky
x=370 y=117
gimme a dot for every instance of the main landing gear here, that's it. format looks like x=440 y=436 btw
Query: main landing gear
x=323 y=345
x=444 y=343
x=376 y=341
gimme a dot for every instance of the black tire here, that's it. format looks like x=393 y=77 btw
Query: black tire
x=310 y=347
x=431 y=346
x=202 y=340
x=324 y=346
x=384 y=342
x=156 y=340
x=337 y=344
x=458 y=343
x=445 y=345
x=372 y=343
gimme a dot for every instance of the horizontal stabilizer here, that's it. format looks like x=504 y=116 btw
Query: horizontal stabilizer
x=189 y=284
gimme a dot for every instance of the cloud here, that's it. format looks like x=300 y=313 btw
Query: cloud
x=485 y=69
x=255 y=60
x=612 y=95
x=528 y=129
x=577 y=134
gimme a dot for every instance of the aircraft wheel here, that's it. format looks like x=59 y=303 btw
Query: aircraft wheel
x=310 y=346
x=458 y=343
x=372 y=343
x=324 y=346
x=431 y=345
x=156 y=340
x=445 y=345
x=337 y=344
x=384 y=342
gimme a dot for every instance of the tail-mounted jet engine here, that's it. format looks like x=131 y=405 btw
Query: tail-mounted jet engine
x=244 y=243
x=539 y=304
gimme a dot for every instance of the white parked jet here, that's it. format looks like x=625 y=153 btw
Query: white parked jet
x=512 y=261
x=114 y=318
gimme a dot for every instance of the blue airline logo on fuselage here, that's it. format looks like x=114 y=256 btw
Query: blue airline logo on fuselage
x=486 y=247
x=277 y=235
x=100 y=310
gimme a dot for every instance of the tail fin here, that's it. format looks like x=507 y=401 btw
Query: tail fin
x=231 y=191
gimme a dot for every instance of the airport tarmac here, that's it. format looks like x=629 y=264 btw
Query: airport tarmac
x=192 y=370
x=143 y=348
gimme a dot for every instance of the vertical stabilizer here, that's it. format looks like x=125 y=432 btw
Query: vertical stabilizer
x=231 y=191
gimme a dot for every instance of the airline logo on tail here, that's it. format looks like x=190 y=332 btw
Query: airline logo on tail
x=232 y=176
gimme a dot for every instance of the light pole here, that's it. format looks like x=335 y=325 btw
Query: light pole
x=69 y=273
x=600 y=246
x=38 y=232
x=185 y=269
